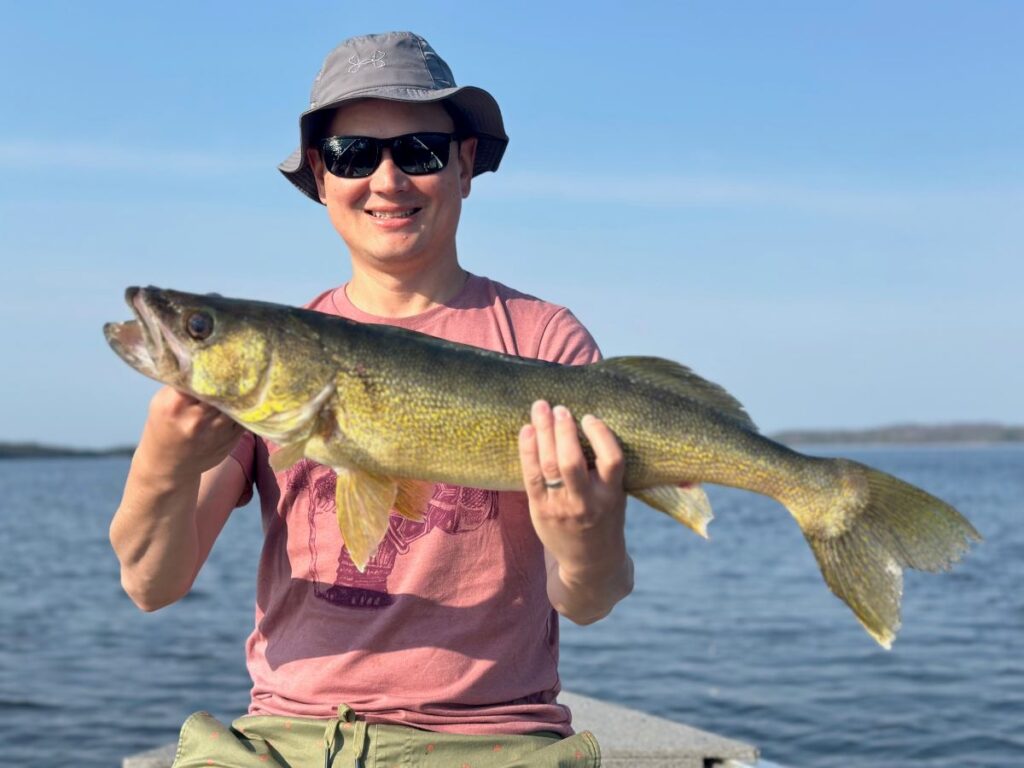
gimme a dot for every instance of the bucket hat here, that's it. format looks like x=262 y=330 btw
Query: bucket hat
x=396 y=66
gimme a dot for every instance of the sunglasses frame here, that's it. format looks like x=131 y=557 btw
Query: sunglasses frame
x=332 y=156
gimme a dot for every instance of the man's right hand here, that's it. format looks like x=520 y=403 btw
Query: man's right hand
x=184 y=437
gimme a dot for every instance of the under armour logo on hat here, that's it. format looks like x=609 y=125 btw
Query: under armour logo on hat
x=377 y=60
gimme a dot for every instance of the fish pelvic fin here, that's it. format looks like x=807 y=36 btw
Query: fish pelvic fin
x=687 y=504
x=364 y=503
x=413 y=497
x=873 y=527
x=681 y=380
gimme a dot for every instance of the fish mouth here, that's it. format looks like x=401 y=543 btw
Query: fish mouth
x=127 y=340
x=148 y=344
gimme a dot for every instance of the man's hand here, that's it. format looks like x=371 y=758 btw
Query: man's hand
x=577 y=512
x=184 y=436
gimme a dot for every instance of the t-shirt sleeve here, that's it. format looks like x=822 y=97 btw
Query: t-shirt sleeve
x=564 y=340
x=244 y=453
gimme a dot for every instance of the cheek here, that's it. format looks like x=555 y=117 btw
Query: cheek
x=452 y=212
x=344 y=206
x=451 y=207
x=446 y=194
x=344 y=194
x=233 y=368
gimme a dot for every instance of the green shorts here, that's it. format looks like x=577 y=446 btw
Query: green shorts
x=260 y=741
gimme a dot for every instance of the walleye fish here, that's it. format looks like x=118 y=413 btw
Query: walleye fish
x=393 y=411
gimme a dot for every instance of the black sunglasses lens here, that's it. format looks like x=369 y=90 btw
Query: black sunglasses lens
x=355 y=157
x=351 y=158
x=421 y=153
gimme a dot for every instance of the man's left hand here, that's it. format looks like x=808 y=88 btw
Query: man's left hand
x=578 y=512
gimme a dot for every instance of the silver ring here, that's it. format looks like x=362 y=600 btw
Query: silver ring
x=554 y=483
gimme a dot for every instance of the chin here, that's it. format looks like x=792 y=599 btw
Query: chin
x=396 y=256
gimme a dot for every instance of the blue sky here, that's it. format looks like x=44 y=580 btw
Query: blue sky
x=818 y=205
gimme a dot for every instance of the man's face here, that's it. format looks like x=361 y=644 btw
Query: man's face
x=390 y=220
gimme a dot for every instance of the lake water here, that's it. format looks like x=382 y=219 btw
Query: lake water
x=737 y=635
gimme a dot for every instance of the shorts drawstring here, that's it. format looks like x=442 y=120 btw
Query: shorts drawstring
x=346 y=719
x=359 y=744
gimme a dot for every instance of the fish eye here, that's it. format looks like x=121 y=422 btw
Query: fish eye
x=199 y=325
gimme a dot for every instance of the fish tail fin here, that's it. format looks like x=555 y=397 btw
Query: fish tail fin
x=870 y=526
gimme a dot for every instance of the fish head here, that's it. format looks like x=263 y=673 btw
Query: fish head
x=200 y=344
x=262 y=364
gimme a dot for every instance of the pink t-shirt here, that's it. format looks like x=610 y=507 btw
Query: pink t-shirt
x=450 y=627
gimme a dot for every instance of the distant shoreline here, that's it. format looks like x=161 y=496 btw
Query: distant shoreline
x=905 y=434
x=897 y=434
x=40 y=451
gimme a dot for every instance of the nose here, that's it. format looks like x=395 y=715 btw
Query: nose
x=388 y=177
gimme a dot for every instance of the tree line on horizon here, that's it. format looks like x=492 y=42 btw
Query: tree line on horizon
x=896 y=433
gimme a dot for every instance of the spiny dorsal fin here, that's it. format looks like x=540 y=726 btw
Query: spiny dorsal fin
x=681 y=380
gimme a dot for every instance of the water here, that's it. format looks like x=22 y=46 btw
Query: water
x=737 y=635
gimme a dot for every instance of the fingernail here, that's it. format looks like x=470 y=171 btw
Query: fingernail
x=561 y=412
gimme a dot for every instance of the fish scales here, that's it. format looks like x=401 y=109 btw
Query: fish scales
x=467 y=410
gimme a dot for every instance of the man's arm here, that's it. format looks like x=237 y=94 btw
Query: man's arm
x=580 y=521
x=180 y=489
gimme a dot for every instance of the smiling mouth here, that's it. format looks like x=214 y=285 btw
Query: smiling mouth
x=403 y=214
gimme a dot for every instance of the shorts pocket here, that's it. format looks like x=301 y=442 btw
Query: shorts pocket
x=205 y=741
x=578 y=751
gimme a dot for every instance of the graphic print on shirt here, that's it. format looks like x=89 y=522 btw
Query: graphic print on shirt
x=453 y=509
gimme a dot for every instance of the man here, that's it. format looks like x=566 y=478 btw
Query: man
x=444 y=651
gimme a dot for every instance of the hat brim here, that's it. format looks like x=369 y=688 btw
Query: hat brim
x=480 y=114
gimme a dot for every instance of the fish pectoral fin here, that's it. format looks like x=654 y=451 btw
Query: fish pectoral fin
x=364 y=503
x=287 y=455
x=687 y=504
x=413 y=497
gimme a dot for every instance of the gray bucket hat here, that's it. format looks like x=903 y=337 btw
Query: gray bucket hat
x=398 y=66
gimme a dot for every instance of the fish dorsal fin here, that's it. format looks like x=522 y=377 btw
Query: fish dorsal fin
x=681 y=380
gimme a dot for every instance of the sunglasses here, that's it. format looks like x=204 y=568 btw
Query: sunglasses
x=356 y=157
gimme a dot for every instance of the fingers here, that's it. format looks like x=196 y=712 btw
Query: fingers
x=572 y=465
x=533 y=478
x=550 y=451
x=169 y=402
x=543 y=424
x=179 y=415
x=608 y=457
x=185 y=436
